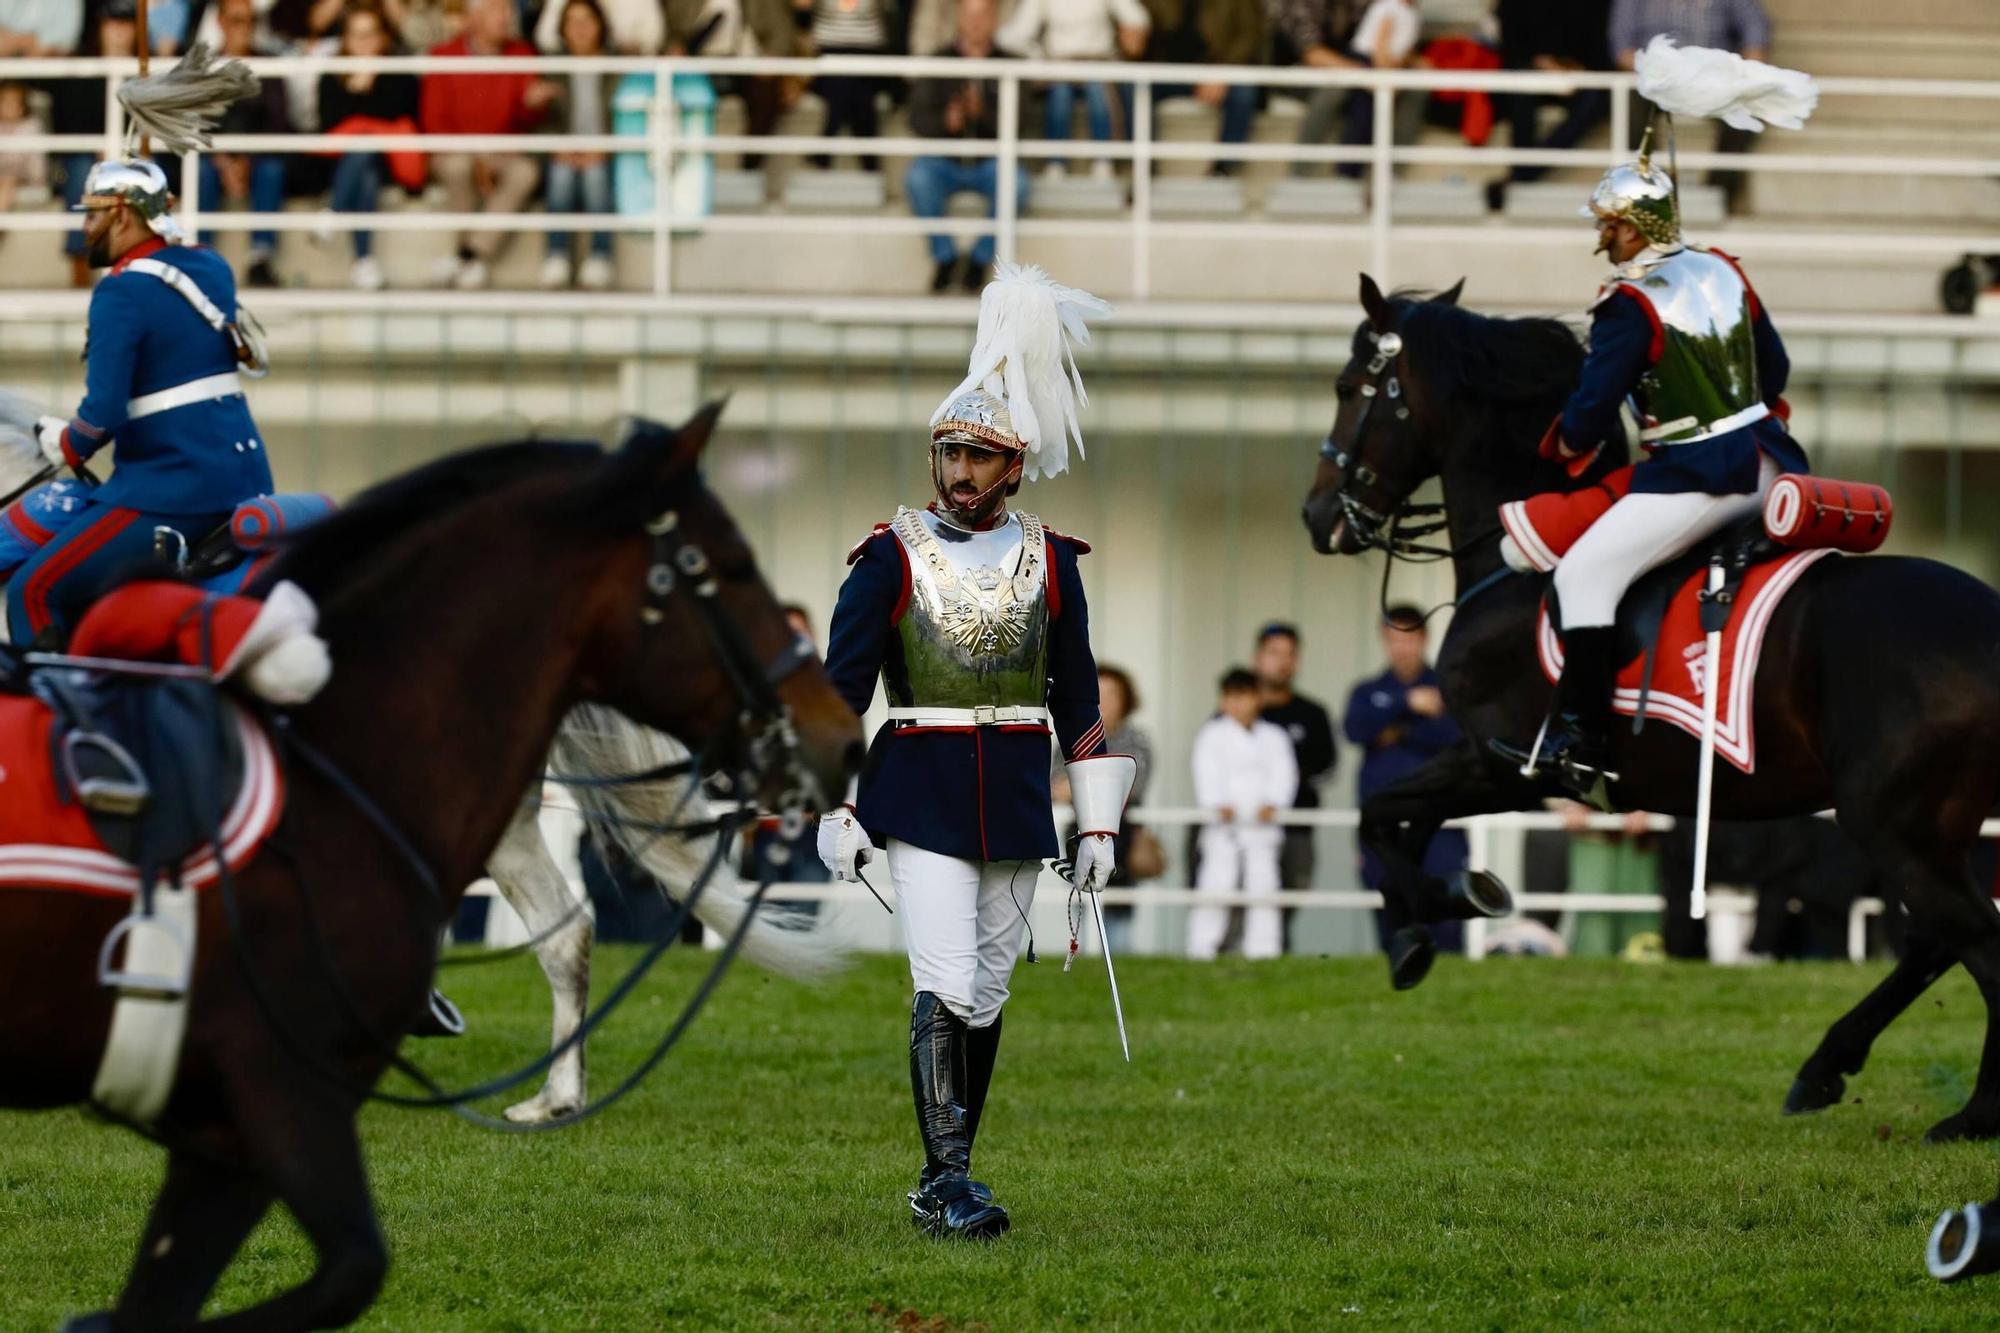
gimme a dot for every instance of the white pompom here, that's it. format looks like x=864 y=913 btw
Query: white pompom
x=291 y=672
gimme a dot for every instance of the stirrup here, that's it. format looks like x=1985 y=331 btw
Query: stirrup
x=123 y=794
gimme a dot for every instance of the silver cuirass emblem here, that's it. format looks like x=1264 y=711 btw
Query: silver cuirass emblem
x=976 y=629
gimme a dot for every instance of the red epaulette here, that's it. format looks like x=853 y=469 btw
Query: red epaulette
x=862 y=545
x=1082 y=546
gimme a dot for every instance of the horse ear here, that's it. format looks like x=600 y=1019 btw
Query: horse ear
x=1451 y=295
x=635 y=483
x=1374 y=303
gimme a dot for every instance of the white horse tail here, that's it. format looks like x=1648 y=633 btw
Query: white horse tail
x=601 y=743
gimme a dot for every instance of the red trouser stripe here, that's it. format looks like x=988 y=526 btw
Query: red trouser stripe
x=87 y=543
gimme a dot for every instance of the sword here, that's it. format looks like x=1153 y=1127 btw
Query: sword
x=1711 y=612
x=1117 y=1006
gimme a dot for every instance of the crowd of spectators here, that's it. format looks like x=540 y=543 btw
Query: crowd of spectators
x=1549 y=35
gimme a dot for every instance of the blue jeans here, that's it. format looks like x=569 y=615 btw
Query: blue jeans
x=357 y=183
x=1239 y=108
x=931 y=183
x=267 y=195
x=1062 y=106
x=579 y=190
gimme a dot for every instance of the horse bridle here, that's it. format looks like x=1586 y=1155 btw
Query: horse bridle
x=1391 y=532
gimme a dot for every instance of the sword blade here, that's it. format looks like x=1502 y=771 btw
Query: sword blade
x=1117 y=1006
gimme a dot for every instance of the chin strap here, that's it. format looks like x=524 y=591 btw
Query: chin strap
x=944 y=499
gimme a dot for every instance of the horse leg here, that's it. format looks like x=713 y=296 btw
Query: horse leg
x=1844 y=1048
x=1979 y=950
x=534 y=886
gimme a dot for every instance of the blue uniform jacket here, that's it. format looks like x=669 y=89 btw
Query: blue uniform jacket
x=980 y=793
x=1621 y=350
x=204 y=458
x=1374 y=708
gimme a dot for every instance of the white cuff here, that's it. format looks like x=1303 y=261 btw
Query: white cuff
x=1098 y=789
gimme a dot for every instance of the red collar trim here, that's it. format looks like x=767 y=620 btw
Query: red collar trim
x=152 y=245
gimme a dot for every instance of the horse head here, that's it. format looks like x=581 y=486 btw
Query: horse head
x=1375 y=454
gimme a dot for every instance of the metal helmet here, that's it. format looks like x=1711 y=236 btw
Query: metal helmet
x=137 y=183
x=977 y=418
x=1639 y=193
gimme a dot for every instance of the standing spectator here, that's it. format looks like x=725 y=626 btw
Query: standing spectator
x=1244 y=771
x=581 y=182
x=849 y=28
x=1210 y=32
x=959 y=109
x=1310 y=729
x=1551 y=35
x=77 y=107
x=1741 y=26
x=18 y=169
x=1139 y=854
x=631 y=28
x=40 y=27
x=1077 y=30
x=360 y=102
x=1398 y=720
x=483 y=104
x=258 y=178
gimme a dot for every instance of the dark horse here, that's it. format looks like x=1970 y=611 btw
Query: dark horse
x=468 y=605
x=1878 y=693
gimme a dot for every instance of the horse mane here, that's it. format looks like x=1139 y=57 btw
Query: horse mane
x=319 y=556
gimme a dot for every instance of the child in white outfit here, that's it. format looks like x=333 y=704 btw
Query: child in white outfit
x=1245 y=769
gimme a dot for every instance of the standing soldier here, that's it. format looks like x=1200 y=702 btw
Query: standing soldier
x=165 y=354
x=973 y=616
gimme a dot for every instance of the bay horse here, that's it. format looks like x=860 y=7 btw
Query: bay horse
x=469 y=606
x=1877 y=695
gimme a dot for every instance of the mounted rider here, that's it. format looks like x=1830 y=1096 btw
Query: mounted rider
x=973 y=617
x=1678 y=332
x=166 y=353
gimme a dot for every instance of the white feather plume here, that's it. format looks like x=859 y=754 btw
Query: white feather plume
x=1024 y=355
x=1721 y=85
x=178 y=108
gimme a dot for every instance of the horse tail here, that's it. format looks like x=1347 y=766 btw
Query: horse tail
x=601 y=743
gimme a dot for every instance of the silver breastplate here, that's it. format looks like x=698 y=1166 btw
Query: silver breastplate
x=976 y=629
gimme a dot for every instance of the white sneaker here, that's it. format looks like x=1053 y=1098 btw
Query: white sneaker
x=444 y=271
x=324 y=232
x=596 y=274
x=555 y=273
x=1054 y=173
x=471 y=276
x=1102 y=170
x=366 y=275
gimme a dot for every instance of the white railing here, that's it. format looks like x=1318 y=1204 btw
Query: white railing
x=664 y=144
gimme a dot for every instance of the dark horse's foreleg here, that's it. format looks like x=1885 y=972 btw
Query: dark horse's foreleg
x=1844 y=1048
x=1397 y=825
x=203 y=1212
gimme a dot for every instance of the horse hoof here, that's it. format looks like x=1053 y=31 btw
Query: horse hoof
x=1809 y=1095
x=1411 y=953
x=1962 y=1245
x=1960 y=1128
x=539 y=1110
x=1475 y=893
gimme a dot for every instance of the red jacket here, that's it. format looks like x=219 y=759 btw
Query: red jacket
x=477 y=103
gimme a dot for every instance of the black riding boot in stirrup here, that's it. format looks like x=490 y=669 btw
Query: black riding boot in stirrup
x=1579 y=740
x=946 y=1202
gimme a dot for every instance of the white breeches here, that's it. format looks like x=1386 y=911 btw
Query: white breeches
x=1240 y=860
x=1639 y=533
x=963 y=923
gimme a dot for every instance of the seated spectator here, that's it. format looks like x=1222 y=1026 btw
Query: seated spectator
x=167 y=25
x=959 y=109
x=426 y=23
x=632 y=28
x=365 y=102
x=742 y=28
x=1385 y=38
x=258 y=178
x=1210 y=32
x=1741 y=26
x=1315 y=33
x=40 y=27
x=848 y=28
x=581 y=182
x=18 y=169
x=497 y=183
x=77 y=107
x=1551 y=35
x=1244 y=771
x=1077 y=30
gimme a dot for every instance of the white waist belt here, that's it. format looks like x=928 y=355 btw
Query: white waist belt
x=983 y=716
x=1734 y=421
x=194 y=391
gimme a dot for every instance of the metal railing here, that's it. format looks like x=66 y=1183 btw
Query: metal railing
x=664 y=144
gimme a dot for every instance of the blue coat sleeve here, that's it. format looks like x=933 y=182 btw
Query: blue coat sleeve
x=863 y=620
x=1774 y=364
x=1366 y=720
x=1072 y=667
x=116 y=326
x=1621 y=340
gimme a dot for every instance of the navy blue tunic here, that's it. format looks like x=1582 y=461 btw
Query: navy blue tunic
x=975 y=793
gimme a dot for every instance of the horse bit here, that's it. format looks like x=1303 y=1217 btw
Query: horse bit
x=1373 y=528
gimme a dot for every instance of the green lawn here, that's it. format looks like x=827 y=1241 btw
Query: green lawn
x=1517 y=1144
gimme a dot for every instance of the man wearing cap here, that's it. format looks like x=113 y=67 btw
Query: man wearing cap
x=1678 y=331
x=972 y=614
x=166 y=347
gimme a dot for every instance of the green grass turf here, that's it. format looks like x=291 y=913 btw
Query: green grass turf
x=1515 y=1145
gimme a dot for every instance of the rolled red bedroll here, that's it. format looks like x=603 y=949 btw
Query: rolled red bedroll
x=1811 y=513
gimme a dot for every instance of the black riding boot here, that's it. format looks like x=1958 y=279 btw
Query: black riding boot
x=1579 y=741
x=946 y=1202
x=982 y=1047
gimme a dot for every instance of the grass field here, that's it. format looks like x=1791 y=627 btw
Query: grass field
x=1517 y=1144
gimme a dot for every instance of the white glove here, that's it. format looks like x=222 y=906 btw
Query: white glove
x=291 y=672
x=48 y=434
x=843 y=845
x=1094 y=862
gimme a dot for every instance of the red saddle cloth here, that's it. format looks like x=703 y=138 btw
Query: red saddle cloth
x=1680 y=660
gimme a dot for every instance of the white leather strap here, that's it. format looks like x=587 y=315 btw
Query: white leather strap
x=984 y=716
x=181 y=395
x=185 y=286
x=1734 y=421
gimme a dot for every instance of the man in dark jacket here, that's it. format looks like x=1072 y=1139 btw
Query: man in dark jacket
x=960 y=109
x=1210 y=32
x=1551 y=35
x=1306 y=722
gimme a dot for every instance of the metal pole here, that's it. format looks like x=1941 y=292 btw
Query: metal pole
x=1007 y=202
x=1383 y=173
x=145 y=65
x=1142 y=190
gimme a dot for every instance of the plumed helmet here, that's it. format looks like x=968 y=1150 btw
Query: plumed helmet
x=977 y=418
x=138 y=184
x=1639 y=193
